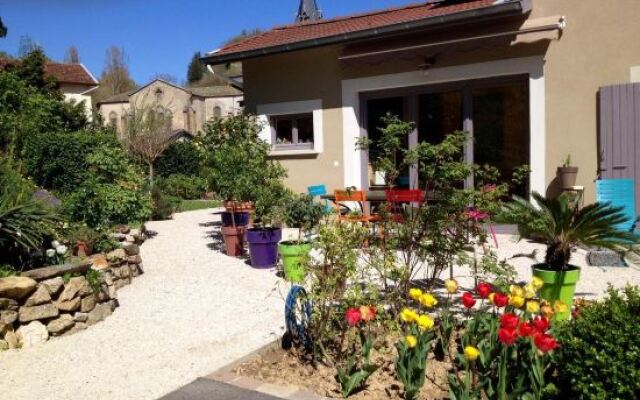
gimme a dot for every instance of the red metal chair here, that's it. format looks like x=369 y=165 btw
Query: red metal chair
x=397 y=198
x=356 y=196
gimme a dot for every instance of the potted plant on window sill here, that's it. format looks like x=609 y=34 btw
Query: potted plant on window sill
x=567 y=174
x=303 y=213
x=562 y=226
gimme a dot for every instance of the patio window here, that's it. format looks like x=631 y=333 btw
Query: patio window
x=292 y=131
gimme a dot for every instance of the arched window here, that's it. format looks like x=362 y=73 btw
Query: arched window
x=217 y=112
x=113 y=119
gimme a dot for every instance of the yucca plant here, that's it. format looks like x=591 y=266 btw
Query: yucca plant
x=562 y=226
x=23 y=226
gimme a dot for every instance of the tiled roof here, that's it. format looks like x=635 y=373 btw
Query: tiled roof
x=64 y=73
x=70 y=73
x=314 y=30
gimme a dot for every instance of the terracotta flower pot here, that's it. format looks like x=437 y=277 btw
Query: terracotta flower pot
x=238 y=206
x=234 y=240
x=82 y=249
x=567 y=176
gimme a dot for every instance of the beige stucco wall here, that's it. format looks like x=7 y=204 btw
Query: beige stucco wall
x=228 y=105
x=173 y=98
x=596 y=49
x=77 y=94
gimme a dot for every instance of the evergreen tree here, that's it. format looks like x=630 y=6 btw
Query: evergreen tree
x=196 y=69
x=31 y=70
x=3 y=29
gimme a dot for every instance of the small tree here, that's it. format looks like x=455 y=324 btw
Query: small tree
x=196 y=69
x=72 y=56
x=147 y=135
x=3 y=29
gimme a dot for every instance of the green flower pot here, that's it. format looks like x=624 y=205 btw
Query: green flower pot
x=293 y=255
x=558 y=285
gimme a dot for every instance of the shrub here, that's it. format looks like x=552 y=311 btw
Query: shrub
x=601 y=349
x=163 y=205
x=183 y=186
x=57 y=160
x=179 y=158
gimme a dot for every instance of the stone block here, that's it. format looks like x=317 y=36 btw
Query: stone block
x=59 y=326
x=26 y=314
x=69 y=306
x=53 y=285
x=88 y=303
x=40 y=296
x=16 y=287
x=32 y=334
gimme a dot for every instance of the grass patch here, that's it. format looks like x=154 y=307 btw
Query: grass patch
x=193 y=205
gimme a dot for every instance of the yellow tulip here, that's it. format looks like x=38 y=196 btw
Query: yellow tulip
x=516 y=291
x=537 y=283
x=451 y=285
x=491 y=296
x=415 y=293
x=471 y=353
x=516 y=301
x=425 y=322
x=560 y=307
x=533 y=307
x=411 y=341
x=529 y=291
x=428 y=300
x=408 y=315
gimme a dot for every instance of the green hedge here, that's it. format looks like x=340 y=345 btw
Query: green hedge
x=183 y=186
x=57 y=161
x=179 y=158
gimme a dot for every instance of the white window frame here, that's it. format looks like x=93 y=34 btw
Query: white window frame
x=266 y=111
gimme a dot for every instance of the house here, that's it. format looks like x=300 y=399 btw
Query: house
x=75 y=81
x=186 y=108
x=523 y=77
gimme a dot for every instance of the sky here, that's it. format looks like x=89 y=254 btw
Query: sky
x=158 y=36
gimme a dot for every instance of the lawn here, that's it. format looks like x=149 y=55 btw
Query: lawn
x=193 y=205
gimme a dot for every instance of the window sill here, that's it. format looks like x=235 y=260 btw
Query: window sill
x=292 y=152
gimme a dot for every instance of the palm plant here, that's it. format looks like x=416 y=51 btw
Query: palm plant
x=23 y=226
x=562 y=226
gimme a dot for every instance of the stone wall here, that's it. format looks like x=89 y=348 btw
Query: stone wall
x=64 y=299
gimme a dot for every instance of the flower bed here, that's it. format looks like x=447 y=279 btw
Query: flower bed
x=64 y=299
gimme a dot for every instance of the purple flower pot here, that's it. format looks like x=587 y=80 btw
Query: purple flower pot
x=241 y=218
x=263 y=246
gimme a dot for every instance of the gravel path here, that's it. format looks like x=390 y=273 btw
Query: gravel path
x=193 y=311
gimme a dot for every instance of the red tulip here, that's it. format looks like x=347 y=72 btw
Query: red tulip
x=541 y=324
x=484 y=289
x=509 y=321
x=468 y=300
x=508 y=336
x=353 y=316
x=500 y=299
x=545 y=343
x=526 y=329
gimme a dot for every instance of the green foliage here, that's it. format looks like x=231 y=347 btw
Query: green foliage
x=3 y=29
x=237 y=162
x=105 y=244
x=7 y=270
x=193 y=205
x=59 y=161
x=94 y=279
x=163 y=205
x=82 y=233
x=302 y=212
x=196 y=69
x=562 y=225
x=355 y=375
x=181 y=157
x=600 y=349
x=183 y=186
x=411 y=363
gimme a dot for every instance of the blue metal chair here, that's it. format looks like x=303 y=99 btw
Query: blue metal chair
x=317 y=191
x=619 y=193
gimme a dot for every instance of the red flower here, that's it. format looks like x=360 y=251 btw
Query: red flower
x=484 y=289
x=541 y=324
x=500 y=299
x=508 y=336
x=353 y=316
x=468 y=300
x=526 y=329
x=509 y=321
x=545 y=343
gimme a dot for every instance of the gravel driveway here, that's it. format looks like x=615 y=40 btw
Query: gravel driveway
x=193 y=311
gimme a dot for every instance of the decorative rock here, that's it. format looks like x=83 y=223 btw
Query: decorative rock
x=131 y=249
x=44 y=311
x=118 y=236
x=8 y=316
x=4 y=345
x=117 y=255
x=134 y=259
x=88 y=303
x=605 y=258
x=41 y=274
x=80 y=317
x=135 y=233
x=130 y=239
x=16 y=287
x=99 y=313
x=60 y=325
x=77 y=285
x=40 y=296
x=98 y=262
x=70 y=305
x=12 y=340
x=33 y=334
x=120 y=283
x=53 y=285
x=113 y=293
x=108 y=278
x=4 y=328
x=79 y=326
x=124 y=229
x=8 y=304
x=125 y=272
